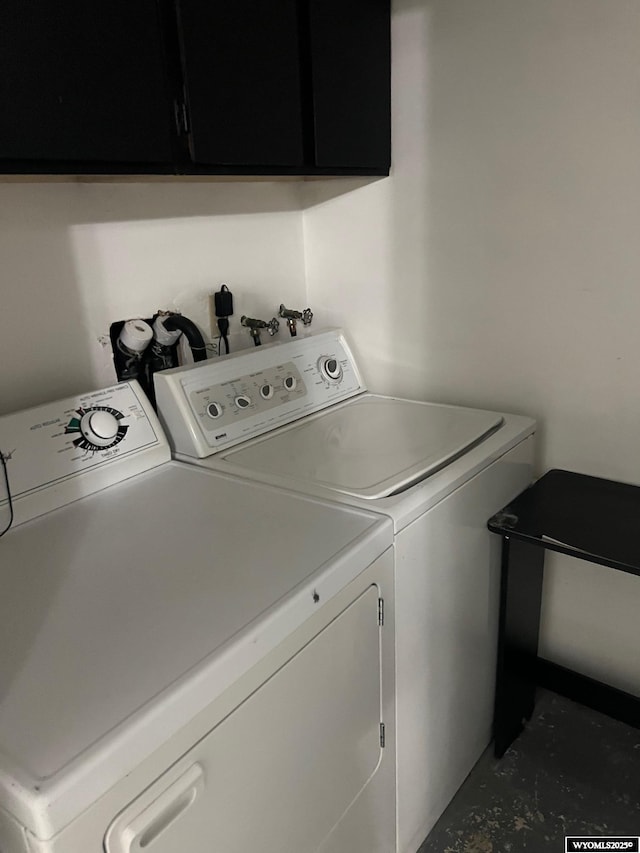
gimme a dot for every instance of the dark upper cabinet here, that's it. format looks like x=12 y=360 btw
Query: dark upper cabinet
x=195 y=86
x=83 y=81
x=241 y=64
x=350 y=67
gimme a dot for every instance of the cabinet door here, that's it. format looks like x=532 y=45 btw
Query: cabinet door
x=83 y=81
x=350 y=68
x=241 y=64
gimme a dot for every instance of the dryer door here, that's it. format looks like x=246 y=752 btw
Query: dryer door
x=283 y=769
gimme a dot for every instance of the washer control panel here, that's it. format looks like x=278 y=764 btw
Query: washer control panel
x=218 y=403
x=236 y=399
x=68 y=449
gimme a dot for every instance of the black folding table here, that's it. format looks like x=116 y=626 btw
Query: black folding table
x=585 y=517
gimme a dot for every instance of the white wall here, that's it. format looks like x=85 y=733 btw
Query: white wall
x=498 y=266
x=74 y=257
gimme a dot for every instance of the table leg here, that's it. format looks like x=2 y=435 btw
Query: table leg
x=520 y=601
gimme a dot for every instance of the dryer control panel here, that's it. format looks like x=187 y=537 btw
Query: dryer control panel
x=218 y=403
x=62 y=451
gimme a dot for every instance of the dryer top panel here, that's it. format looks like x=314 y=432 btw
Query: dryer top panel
x=126 y=613
x=370 y=447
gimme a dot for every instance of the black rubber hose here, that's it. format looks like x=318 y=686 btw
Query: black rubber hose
x=192 y=333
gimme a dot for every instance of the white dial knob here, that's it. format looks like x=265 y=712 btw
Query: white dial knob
x=290 y=382
x=99 y=428
x=242 y=401
x=266 y=391
x=214 y=410
x=331 y=368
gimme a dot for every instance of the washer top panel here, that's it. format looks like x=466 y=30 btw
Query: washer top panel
x=370 y=447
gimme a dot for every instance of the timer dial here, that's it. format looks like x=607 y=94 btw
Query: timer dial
x=99 y=427
x=330 y=368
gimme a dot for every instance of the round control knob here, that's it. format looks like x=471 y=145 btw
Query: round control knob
x=266 y=392
x=99 y=428
x=290 y=383
x=242 y=401
x=214 y=410
x=331 y=368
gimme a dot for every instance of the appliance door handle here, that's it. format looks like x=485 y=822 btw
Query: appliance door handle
x=140 y=833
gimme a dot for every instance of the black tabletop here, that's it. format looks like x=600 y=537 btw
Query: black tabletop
x=585 y=517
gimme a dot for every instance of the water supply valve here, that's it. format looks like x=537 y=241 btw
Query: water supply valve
x=255 y=326
x=293 y=316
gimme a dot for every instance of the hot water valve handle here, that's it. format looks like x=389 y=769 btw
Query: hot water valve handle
x=293 y=316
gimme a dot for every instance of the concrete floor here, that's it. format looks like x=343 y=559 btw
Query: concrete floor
x=572 y=772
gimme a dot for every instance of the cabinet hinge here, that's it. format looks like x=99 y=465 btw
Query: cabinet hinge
x=381 y=611
x=382 y=735
x=182 y=117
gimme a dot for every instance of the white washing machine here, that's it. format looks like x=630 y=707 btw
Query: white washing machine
x=188 y=662
x=297 y=415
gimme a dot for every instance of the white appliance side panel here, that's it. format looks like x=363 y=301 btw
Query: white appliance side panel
x=447 y=601
x=280 y=771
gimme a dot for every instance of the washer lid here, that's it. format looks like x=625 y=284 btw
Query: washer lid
x=370 y=447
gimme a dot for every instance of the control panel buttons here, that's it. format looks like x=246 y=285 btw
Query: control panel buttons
x=99 y=427
x=290 y=383
x=266 y=391
x=330 y=368
x=257 y=389
x=214 y=410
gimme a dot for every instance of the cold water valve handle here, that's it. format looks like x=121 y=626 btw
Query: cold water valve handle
x=255 y=326
x=293 y=316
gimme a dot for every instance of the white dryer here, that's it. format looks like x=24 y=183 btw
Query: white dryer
x=188 y=662
x=297 y=415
